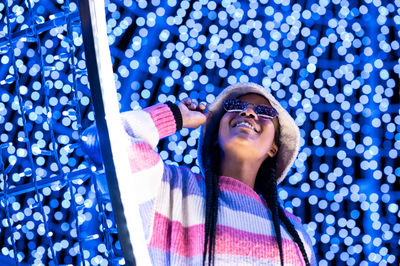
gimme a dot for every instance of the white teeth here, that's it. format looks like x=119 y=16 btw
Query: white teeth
x=244 y=124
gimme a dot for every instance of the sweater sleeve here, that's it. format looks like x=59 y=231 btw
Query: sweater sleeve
x=145 y=128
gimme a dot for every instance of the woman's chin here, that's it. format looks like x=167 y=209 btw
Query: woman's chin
x=242 y=146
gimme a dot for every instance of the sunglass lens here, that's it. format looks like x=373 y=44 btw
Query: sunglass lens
x=265 y=111
x=233 y=104
x=261 y=110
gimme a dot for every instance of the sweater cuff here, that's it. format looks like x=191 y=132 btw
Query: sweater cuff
x=163 y=119
x=177 y=114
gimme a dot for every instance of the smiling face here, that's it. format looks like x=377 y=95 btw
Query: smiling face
x=247 y=135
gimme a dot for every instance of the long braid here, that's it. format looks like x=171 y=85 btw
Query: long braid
x=208 y=218
x=211 y=180
x=211 y=171
x=268 y=187
x=293 y=232
x=214 y=213
x=275 y=218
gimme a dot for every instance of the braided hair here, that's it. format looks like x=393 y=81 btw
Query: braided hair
x=212 y=159
x=267 y=187
x=265 y=184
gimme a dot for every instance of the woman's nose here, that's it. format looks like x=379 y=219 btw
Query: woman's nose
x=249 y=112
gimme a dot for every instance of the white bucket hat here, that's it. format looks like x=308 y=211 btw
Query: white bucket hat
x=289 y=134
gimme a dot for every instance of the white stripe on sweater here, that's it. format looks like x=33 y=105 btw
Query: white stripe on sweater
x=189 y=211
x=139 y=124
x=145 y=184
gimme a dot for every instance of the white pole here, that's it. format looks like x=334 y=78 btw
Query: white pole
x=116 y=164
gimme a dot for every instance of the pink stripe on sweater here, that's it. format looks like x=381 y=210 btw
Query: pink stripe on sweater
x=142 y=156
x=230 y=184
x=237 y=242
x=172 y=237
x=163 y=119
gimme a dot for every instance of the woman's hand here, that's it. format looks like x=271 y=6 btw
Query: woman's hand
x=193 y=115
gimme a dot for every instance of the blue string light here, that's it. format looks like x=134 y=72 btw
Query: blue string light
x=332 y=63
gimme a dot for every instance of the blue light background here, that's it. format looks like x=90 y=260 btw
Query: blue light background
x=333 y=64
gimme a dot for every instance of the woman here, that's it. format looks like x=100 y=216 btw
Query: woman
x=230 y=214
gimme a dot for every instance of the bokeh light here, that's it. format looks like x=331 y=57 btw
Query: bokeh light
x=334 y=64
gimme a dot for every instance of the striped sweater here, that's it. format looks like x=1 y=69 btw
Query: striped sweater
x=172 y=206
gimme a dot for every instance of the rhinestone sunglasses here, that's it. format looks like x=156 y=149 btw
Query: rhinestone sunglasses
x=263 y=111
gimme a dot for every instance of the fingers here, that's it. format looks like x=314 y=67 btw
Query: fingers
x=193 y=105
x=189 y=103
x=202 y=106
